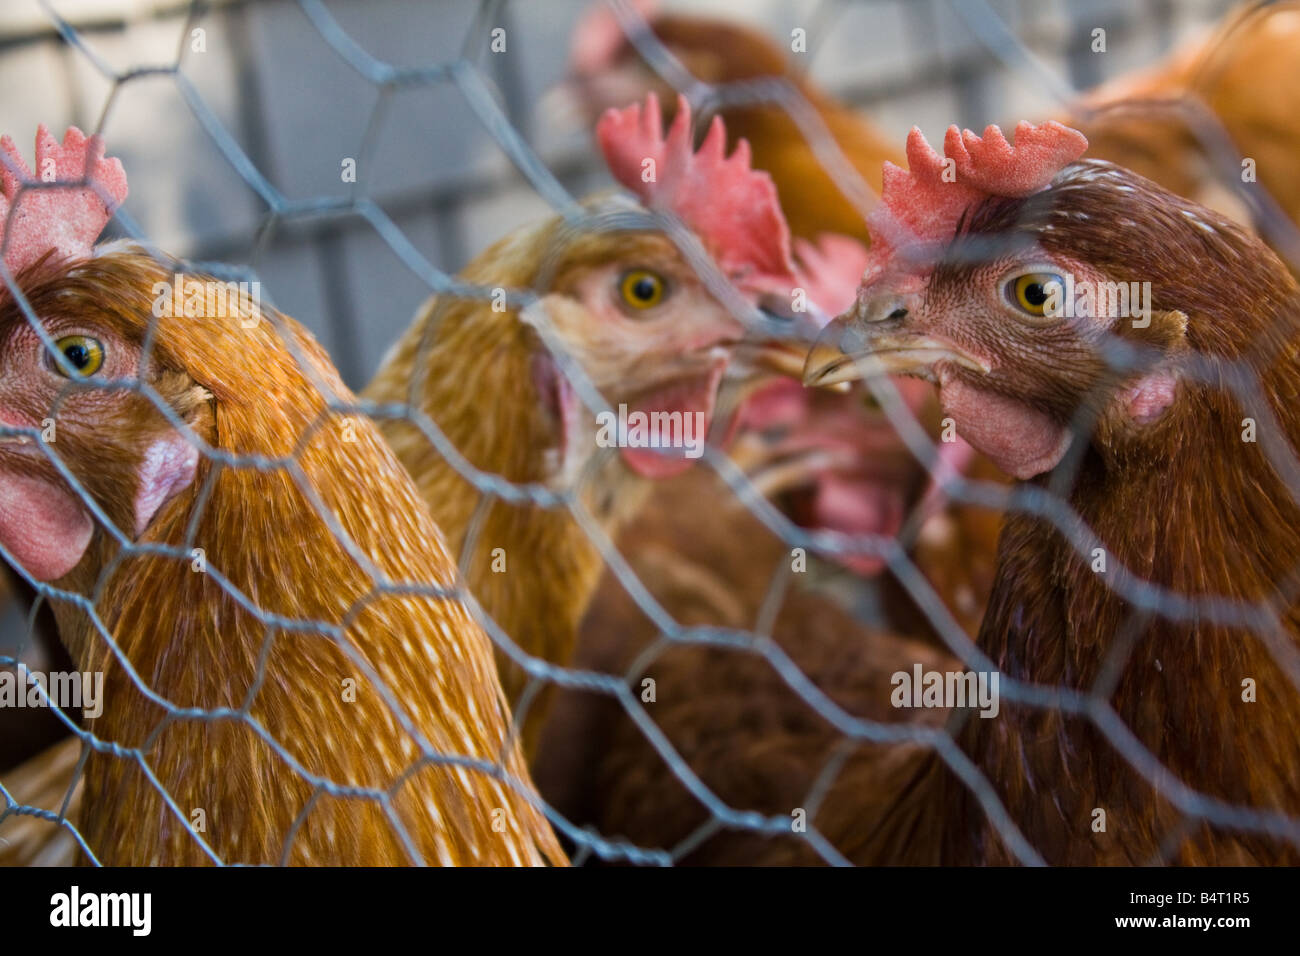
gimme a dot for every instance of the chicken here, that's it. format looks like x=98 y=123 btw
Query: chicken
x=289 y=675
x=758 y=745
x=621 y=308
x=1169 y=428
x=832 y=462
x=1187 y=124
x=824 y=158
x=709 y=562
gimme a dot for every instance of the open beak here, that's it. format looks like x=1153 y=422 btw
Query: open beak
x=849 y=350
x=786 y=359
x=781 y=354
x=781 y=358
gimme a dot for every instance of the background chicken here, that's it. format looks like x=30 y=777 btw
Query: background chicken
x=281 y=688
x=758 y=745
x=958 y=292
x=825 y=187
x=621 y=301
x=831 y=461
x=1188 y=122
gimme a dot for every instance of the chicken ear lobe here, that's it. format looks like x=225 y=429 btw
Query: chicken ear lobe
x=167 y=467
x=45 y=525
x=1147 y=399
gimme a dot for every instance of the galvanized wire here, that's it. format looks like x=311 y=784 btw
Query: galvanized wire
x=467 y=75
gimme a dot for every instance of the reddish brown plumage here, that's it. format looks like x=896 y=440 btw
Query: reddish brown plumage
x=1188 y=506
x=273 y=533
x=1179 y=499
x=752 y=740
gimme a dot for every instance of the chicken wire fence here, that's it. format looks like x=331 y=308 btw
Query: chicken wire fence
x=1009 y=49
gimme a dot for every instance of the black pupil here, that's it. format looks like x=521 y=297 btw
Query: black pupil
x=1035 y=294
x=644 y=288
x=78 y=355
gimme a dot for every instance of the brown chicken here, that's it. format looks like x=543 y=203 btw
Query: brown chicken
x=824 y=158
x=1160 y=606
x=289 y=676
x=1188 y=123
x=758 y=746
x=618 y=305
x=830 y=462
x=835 y=461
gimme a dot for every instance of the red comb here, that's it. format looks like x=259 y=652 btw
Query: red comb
x=732 y=208
x=920 y=208
x=830 y=270
x=40 y=216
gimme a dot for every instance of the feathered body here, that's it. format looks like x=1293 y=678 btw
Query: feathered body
x=321 y=673
x=474 y=371
x=1155 y=457
x=750 y=737
x=1186 y=505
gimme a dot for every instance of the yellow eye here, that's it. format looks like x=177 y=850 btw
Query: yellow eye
x=641 y=289
x=83 y=353
x=1034 y=291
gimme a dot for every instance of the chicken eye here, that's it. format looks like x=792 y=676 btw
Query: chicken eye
x=1032 y=291
x=83 y=353
x=641 y=289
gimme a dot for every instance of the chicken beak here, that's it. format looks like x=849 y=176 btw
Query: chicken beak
x=784 y=350
x=781 y=358
x=850 y=349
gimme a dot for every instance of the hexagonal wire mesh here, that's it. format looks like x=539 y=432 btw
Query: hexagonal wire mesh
x=373 y=236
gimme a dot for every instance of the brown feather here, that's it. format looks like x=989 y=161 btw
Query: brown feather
x=244 y=392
